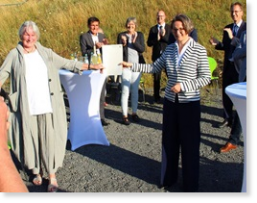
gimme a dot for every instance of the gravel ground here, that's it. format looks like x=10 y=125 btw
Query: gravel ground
x=132 y=161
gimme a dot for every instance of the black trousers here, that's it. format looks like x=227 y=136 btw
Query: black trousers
x=236 y=130
x=181 y=133
x=230 y=76
x=156 y=86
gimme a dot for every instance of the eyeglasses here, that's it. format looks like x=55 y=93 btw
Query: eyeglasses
x=178 y=29
x=236 y=11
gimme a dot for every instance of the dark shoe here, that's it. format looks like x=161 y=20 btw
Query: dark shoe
x=157 y=101
x=229 y=146
x=135 y=118
x=104 y=123
x=225 y=124
x=125 y=121
x=53 y=185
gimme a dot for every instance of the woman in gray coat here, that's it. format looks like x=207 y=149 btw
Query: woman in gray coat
x=38 y=127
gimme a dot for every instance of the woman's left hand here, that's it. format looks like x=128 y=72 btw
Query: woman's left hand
x=134 y=37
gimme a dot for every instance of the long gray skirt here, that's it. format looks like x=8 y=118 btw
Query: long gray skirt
x=47 y=145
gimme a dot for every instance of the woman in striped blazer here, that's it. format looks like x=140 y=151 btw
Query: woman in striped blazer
x=187 y=68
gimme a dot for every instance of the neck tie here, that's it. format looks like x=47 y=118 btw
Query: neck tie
x=161 y=29
x=235 y=29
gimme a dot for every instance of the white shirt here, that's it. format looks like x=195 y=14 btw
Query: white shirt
x=180 y=55
x=239 y=24
x=163 y=26
x=95 y=40
x=37 y=84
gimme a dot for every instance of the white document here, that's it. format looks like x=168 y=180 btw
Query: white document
x=112 y=57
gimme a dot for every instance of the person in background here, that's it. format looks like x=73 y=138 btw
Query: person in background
x=181 y=106
x=105 y=41
x=158 y=39
x=194 y=34
x=38 y=124
x=133 y=46
x=87 y=42
x=229 y=74
x=10 y=180
x=239 y=59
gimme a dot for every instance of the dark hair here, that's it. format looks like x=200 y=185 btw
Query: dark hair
x=92 y=19
x=186 y=22
x=236 y=4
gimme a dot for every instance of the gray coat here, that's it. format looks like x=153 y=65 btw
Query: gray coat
x=22 y=124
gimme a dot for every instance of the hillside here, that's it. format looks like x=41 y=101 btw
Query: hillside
x=62 y=21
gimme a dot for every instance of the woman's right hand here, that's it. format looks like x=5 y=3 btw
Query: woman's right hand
x=124 y=40
x=126 y=64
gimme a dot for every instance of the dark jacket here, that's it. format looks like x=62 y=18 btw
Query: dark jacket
x=139 y=46
x=158 y=46
x=87 y=44
x=226 y=46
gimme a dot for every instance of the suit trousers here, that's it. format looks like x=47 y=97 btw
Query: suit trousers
x=156 y=86
x=236 y=130
x=181 y=134
x=230 y=76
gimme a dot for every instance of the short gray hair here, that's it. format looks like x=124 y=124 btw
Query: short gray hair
x=26 y=25
x=133 y=19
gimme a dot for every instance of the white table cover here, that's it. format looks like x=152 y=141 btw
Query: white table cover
x=238 y=94
x=83 y=93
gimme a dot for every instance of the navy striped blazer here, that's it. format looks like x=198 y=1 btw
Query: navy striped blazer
x=192 y=73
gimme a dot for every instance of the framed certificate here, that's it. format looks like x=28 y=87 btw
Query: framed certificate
x=112 y=56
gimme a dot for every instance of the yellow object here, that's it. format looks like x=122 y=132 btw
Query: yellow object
x=213 y=65
x=9 y=145
x=99 y=59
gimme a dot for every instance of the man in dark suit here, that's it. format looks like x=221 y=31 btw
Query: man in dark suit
x=229 y=75
x=159 y=37
x=239 y=58
x=87 y=42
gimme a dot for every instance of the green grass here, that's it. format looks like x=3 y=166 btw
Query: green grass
x=62 y=21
